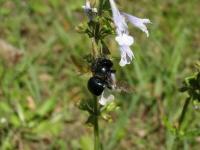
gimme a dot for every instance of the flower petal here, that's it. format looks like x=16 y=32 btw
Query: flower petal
x=106 y=97
x=138 y=22
x=119 y=20
x=87 y=6
x=124 y=40
x=126 y=55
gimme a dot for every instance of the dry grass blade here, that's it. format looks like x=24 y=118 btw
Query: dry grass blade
x=9 y=53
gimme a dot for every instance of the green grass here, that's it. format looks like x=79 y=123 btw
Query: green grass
x=39 y=94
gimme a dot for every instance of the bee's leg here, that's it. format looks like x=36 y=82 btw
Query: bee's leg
x=108 y=85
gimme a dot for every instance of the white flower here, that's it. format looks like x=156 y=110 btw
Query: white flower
x=106 y=97
x=123 y=38
x=90 y=12
x=138 y=22
x=119 y=20
x=125 y=41
x=126 y=56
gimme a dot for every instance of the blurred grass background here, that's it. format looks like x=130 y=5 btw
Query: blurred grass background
x=40 y=85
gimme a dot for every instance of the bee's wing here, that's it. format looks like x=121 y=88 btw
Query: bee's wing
x=122 y=86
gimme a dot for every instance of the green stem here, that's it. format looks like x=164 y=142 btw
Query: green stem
x=96 y=110
x=96 y=126
x=100 y=7
x=185 y=107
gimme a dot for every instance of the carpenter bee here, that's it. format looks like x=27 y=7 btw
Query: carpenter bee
x=102 y=76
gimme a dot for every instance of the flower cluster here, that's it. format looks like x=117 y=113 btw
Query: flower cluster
x=123 y=38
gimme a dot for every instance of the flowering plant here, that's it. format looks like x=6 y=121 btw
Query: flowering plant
x=103 y=21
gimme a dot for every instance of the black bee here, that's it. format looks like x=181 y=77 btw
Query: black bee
x=102 y=76
x=96 y=85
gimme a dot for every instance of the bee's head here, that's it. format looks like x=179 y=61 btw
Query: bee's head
x=102 y=67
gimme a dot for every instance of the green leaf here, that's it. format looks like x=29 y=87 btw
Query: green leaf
x=20 y=112
x=86 y=105
x=169 y=126
x=90 y=120
x=15 y=121
x=39 y=6
x=46 y=128
x=5 y=107
x=46 y=107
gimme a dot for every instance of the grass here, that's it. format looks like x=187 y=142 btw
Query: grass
x=39 y=93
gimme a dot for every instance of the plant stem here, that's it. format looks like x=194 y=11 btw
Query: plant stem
x=100 y=7
x=185 y=107
x=96 y=126
x=96 y=110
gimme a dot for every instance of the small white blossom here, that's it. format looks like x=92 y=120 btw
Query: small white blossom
x=138 y=22
x=125 y=41
x=123 y=38
x=90 y=12
x=106 y=97
x=119 y=20
x=126 y=55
